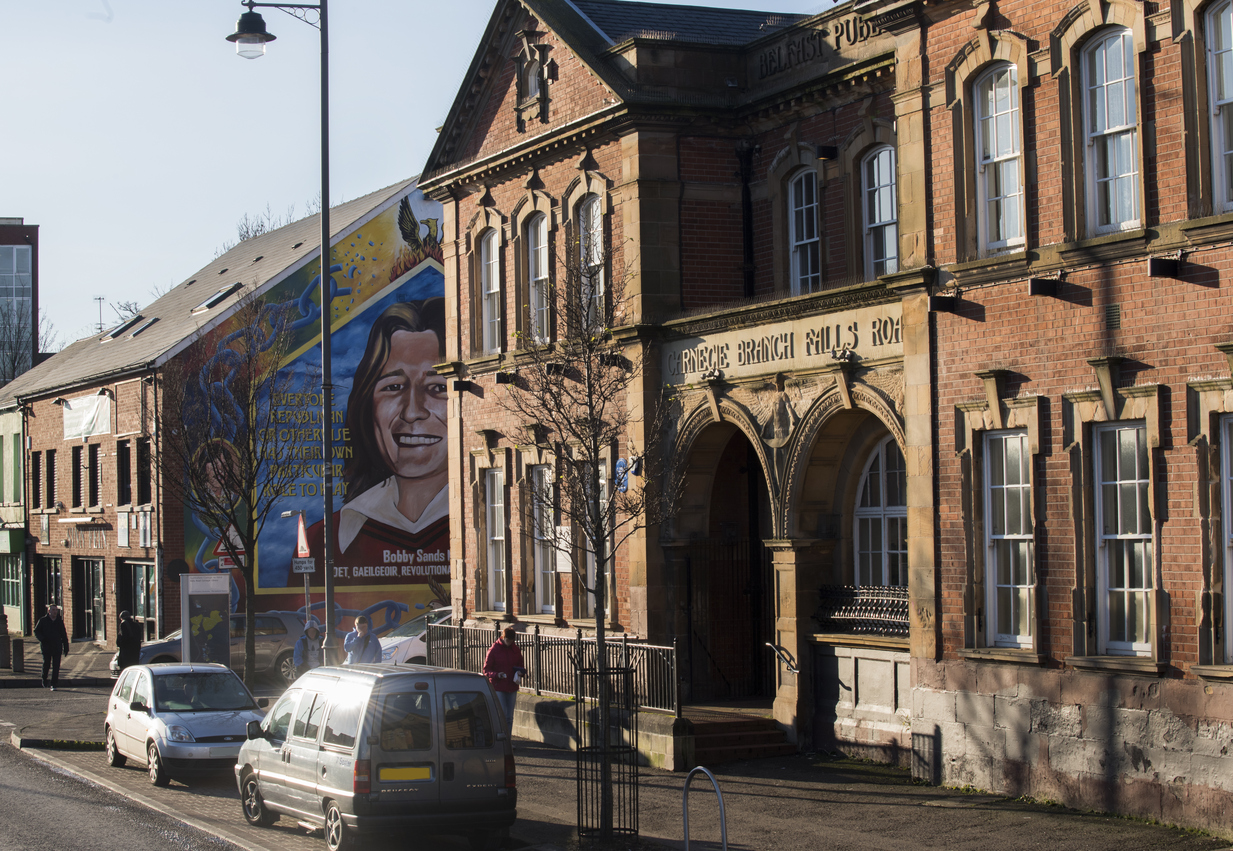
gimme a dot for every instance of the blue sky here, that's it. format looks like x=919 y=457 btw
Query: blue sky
x=136 y=138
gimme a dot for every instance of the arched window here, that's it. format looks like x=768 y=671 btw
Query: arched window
x=881 y=212
x=881 y=531
x=806 y=274
x=490 y=291
x=591 y=259
x=537 y=275
x=530 y=80
x=999 y=166
x=1220 y=85
x=1110 y=127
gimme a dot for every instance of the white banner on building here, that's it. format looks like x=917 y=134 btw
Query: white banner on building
x=86 y=416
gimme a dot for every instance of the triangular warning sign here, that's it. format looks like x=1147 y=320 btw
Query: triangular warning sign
x=301 y=541
x=233 y=535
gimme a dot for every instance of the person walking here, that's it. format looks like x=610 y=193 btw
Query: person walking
x=308 y=650
x=505 y=668
x=361 y=645
x=128 y=641
x=53 y=641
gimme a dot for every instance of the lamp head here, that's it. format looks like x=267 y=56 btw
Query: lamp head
x=250 y=35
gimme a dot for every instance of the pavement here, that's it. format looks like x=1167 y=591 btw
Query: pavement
x=804 y=802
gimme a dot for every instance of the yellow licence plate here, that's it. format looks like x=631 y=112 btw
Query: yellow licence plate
x=404 y=773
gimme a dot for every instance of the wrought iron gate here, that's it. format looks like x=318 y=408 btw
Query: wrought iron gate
x=729 y=619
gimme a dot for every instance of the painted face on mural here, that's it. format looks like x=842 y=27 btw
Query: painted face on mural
x=409 y=407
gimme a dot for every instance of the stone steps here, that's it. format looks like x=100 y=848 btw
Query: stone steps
x=747 y=738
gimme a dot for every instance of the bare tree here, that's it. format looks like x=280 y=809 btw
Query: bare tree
x=21 y=340
x=264 y=221
x=577 y=396
x=217 y=433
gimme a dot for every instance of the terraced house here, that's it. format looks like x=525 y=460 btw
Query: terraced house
x=939 y=293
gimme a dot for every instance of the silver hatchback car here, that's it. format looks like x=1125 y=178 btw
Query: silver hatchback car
x=179 y=720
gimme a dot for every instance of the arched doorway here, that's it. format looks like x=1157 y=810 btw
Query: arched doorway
x=725 y=586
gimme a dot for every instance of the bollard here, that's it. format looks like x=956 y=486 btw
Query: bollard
x=6 y=658
x=19 y=656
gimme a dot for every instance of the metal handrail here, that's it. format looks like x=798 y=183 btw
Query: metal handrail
x=723 y=820
x=785 y=657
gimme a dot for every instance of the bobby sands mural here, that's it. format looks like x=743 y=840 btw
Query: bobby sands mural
x=387 y=435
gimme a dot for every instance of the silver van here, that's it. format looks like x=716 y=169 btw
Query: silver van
x=383 y=749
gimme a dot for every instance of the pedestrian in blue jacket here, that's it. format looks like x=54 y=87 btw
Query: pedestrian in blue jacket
x=361 y=645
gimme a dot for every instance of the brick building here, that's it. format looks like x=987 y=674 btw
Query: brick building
x=102 y=531
x=938 y=291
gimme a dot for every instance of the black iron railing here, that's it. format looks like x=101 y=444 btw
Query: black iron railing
x=867 y=610
x=553 y=661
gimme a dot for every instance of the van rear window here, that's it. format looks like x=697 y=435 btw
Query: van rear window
x=343 y=723
x=406 y=722
x=468 y=723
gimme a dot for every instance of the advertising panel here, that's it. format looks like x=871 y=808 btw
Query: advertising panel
x=388 y=430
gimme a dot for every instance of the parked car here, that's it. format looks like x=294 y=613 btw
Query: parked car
x=180 y=720
x=276 y=635
x=407 y=643
x=380 y=749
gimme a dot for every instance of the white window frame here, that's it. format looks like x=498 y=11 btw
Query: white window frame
x=530 y=79
x=804 y=243
x=494 y=531
x=875 y=526
x=543 y=552
x=880 y=211
x=537 y=276
x=1010 y=573
x=1110 y=95
x=1219 y=38
x=591 y=258
x=1226 y=484
x=490 y=291
x=1112 y=540
x=999 y=159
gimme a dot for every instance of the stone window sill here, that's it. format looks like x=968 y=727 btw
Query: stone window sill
x=1213 y=672
x=1123 y=664
x=881 y=642
x=1015 y=655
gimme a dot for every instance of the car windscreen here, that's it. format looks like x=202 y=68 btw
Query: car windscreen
x=415 y=626
x=213 y=691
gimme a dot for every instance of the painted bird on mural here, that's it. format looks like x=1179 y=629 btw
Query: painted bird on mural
x=409 y=226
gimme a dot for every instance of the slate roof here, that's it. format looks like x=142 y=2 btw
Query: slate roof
x=256 y=263
x=621 y=21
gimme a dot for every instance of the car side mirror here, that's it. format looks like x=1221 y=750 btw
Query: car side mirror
x=263 y=702
x=138 y=706
x=254 y=731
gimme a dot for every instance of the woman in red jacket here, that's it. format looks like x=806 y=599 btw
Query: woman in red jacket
x=504 y=668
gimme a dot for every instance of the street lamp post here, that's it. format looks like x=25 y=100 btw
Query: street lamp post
x=250 y=38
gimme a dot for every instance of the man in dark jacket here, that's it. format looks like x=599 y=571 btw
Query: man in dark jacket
x=128 y=641
x=53 y=641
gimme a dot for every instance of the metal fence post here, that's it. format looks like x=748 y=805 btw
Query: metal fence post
x=676 y=677
x=536 y=656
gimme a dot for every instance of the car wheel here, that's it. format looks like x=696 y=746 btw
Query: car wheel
x=154 y=764
x=337 y=835
x=286 y=668
x=114 y=758
x=255 y=811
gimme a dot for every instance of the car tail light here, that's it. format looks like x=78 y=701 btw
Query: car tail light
x=511 y=774
x=362 y=779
